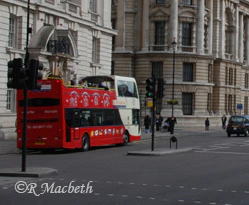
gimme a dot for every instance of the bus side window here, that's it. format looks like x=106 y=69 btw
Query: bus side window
x=83 y=120
x=76 y=119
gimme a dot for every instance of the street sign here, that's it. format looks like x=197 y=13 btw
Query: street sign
x=150 y=103
x=239 y=106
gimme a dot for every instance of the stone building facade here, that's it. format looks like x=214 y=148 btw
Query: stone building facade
x=211 y=55
x=72 y=38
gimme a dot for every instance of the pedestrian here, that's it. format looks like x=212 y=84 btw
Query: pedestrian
x=157 y=122
x=223 y=120
x=160 y=122
x=172 y=123
x=207 y=124
x=147 y=123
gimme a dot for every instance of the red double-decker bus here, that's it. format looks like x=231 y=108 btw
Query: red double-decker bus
x=105 y=111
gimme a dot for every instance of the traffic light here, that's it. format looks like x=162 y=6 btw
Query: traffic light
x=34 y=74
x=150 y=88
x=14 y=68
x=160 y=87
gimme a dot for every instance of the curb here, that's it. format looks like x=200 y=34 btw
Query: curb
x=33 y=172
x=159 y=152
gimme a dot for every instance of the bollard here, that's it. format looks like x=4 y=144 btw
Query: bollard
x=174 y=140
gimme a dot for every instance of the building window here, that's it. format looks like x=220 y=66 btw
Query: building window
x=187 y=2
x=160 y=1
x=230 y=80
x=112 y=67
x=93 y=6
x=12 y=32
x=10 y=101
x=246 y=106
x=114 y=22
x=230 y=103
x=227 y=76
x=186 y=34
x=246 y=80
x=234 y=104
x=96 y=50
x=210 y=73
x=235 y=76
x=188 y=72
x=209 y=103
x=187 y=103
x=206 y=37
x=226 y=104
x=159 y=36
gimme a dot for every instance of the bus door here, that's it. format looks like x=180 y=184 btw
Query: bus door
x=72 y=124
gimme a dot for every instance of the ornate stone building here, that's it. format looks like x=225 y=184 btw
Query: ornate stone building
x=211 y=55
x=72 y=38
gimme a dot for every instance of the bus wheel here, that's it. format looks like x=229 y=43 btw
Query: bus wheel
x=85 y=143
x=126 y=138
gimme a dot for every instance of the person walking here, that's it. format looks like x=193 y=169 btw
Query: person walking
x=207 y=124
x=160 y=122
x=157 y=122
x=172 y=123
x=224 y=120
x=147 y=123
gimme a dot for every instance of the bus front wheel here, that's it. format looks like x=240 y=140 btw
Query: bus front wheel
x=126 y=138
x=85 y=143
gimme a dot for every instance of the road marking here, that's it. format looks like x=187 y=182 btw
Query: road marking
x=124 y=196
x=235 y=153
x=96 y=194
x=139 y=197
x=181 y=187
x=181 y=201
x=197 y=202
x=110 y=194
x=220 y=190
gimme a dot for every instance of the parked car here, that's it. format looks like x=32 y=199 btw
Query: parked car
x=238 y=124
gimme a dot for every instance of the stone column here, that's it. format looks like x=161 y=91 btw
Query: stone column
x=200 y=29
x=120 y=38
x=236 y=36
x=145 y=29
x=241 y=39
x=174 y=20
x=222 y=30
x=247 y=40
x=210 y=29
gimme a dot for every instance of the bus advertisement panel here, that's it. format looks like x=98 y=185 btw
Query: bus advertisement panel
x=95 y=114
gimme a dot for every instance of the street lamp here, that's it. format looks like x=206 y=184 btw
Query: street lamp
x=173 y=84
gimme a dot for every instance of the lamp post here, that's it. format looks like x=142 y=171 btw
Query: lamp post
x=173 y=84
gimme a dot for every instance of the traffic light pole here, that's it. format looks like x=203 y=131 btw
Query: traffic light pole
x=25 y=95
x=153 y=114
